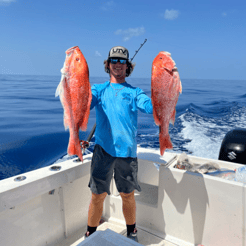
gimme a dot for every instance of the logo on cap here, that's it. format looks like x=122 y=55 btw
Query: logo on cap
x=119 y=51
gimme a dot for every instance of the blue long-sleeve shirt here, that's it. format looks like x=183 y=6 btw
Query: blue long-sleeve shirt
x=116 y=116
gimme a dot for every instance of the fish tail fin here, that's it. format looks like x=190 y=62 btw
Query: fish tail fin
x=173 y=117
x=74 y=148
x=71 y=149
x=165 y=143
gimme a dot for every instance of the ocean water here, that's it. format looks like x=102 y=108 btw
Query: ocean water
x=32 y=134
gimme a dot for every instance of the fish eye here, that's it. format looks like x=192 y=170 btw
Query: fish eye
x=77 y=59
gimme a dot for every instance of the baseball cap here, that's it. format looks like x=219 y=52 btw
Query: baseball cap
x=119 y=51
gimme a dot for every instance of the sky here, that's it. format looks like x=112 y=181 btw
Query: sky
x=206 y=39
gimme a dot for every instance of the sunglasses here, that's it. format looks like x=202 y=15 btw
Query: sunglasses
x=115 y=60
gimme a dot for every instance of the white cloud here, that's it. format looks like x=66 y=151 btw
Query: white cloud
x=97 y=53
x=108 y=5
x=171 y=14
x=6 y=1
x=130 y=32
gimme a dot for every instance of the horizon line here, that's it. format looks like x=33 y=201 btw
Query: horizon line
x=108 y=77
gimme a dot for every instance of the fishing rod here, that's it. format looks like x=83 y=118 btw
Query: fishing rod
x=86 y=144
x=139 y=49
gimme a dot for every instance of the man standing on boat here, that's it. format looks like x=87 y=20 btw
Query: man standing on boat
x=117 y=104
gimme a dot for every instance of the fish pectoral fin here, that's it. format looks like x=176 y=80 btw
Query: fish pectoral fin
x=173 y=117
x=180 y=87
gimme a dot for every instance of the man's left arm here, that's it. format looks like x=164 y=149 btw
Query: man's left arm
x=144 y=103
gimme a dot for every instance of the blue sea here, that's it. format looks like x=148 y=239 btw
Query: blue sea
x=32 y=134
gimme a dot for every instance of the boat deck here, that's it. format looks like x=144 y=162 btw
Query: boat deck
x=49 y=206
x=144 y=237
x=148 y=195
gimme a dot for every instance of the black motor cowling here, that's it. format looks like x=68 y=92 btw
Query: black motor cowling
x=233 y=147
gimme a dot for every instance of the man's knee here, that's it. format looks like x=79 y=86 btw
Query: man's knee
x=127 y=196
x=97 y=198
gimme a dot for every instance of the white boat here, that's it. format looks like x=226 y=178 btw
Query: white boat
x=49 y=206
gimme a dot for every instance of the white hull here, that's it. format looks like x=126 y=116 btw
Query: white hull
x=50 y=207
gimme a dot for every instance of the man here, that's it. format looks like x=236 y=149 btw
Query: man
x=117 y=104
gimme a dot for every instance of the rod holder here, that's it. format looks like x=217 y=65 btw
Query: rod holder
x=55 y=168
x=20 y=178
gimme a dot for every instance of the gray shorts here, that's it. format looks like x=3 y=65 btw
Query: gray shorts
x=104 y=165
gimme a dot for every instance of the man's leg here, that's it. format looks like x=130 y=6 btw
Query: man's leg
x=96 y=209
x=129 y=208
x=129 y=211
x=125 y=176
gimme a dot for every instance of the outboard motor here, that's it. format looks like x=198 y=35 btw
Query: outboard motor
x=233 y=147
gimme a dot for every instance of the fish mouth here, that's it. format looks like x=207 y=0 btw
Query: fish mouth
x=70 y=50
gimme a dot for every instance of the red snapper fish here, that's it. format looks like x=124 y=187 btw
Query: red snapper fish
x=165 y=89
x=75 y=95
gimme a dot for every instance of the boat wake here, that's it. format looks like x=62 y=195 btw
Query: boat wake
x=205 y=134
